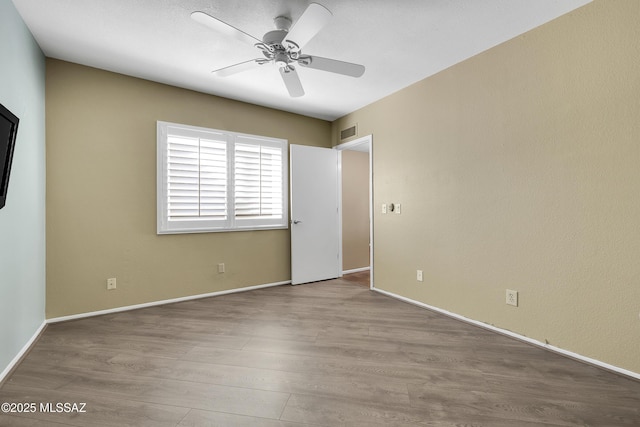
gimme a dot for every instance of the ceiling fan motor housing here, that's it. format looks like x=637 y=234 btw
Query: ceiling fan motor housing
x=274 y=38
x=276 y=50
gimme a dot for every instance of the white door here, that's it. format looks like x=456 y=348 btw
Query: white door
x=315 y=247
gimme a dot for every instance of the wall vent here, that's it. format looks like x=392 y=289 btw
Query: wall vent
x=348 y=132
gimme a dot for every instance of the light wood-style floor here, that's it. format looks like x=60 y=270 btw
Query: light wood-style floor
x=323 y=354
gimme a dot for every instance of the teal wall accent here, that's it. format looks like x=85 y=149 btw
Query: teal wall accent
x=22 y=220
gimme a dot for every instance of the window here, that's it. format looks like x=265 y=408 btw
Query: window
x=212 y=180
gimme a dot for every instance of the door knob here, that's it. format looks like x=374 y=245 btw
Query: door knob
x=295 y=221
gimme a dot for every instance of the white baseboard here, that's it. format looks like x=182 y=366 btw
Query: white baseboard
x=537 y=343
x=356 y=270
x=162 y=302
x=32 y=340
x=22 y=352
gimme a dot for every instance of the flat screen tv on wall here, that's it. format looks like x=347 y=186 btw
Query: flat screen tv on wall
x=8 y=132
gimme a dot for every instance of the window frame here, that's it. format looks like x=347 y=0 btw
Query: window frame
x=165 y=225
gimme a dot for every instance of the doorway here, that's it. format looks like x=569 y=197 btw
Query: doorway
x=355 y=175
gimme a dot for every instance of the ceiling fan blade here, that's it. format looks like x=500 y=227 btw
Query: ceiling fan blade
x=308 y=25
x=332 y=65
x=224 y=28
x=236 y=68
x=292 y=81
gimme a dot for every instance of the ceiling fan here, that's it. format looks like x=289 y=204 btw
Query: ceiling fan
x=283 y=47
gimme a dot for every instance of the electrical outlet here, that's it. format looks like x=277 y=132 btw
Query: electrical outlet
x=512 y=297
x=384 y=208
x=221 y=267
x=398 y=209
x=419 y=275
x=111 y=284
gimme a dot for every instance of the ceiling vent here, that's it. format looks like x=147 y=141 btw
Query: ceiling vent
x=348 y=132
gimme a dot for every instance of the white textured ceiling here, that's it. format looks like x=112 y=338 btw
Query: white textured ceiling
x=399 y=42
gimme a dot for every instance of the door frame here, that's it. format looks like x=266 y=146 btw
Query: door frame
x=368 y=139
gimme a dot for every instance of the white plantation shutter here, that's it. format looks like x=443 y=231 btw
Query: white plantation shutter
x=272 y=201
x=259 y=186
x=211 y=180
x=197 y=178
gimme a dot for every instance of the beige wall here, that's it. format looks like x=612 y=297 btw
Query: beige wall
x=355 y=210
x=520 y=168
x=101 y=193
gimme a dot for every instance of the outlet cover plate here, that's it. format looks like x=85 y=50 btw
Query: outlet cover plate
x=512 y=297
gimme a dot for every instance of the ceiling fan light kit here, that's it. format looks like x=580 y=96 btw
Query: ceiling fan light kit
x=283 y=47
